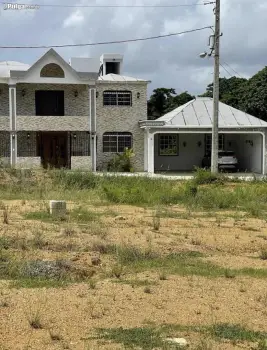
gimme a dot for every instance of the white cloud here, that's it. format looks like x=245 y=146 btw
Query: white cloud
x=74 y=20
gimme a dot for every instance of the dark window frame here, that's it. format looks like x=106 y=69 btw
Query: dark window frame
x=163 y=140
x=116 y=142
x=118 y=98
x=208 y=143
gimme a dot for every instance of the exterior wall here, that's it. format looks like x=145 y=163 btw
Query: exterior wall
x=121 y=119
x=250 y=158
x=28 y=162
x=81 y=163
x=52 y=70
x=4 y=101
x=74 y=106
x=189 y=156
x=4 y=144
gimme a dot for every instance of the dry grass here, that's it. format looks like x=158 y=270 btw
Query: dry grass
x=191 y=273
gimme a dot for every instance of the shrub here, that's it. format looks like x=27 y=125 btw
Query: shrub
x=121 y=162
x=203 y=176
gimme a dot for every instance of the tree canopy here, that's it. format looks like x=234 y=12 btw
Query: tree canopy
x=164 y=100
x=248 y=95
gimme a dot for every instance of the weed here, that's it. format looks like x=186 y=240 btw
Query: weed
x=68 y=232
x=263 y=254
x=147 y=290
x=156 y=222
x=229 y=273
x=163 y=276
x=262 y=345
x=35 y=320
x=54 y=335
x=117 y=270
x=196 y=241
x=141 y=338
x=38 y=240
x=92 y=284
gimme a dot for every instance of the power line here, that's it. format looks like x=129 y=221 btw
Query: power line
x=23 y=5
x=106 y=42
x=226 y=70
x=233 y=69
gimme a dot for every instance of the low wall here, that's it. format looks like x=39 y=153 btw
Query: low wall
x=83 y=163
x=28 y=162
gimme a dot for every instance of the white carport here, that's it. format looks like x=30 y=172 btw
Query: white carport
x=179 y=140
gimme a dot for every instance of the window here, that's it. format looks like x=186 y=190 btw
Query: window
x=80 y=144
x=208 y=143
x=52 y=70
x=117 y=141
x=168 y=145
x=117 y=98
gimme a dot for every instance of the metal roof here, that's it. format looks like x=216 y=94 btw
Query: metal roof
x=7 y=66
x=198 y=113
x=119 y=78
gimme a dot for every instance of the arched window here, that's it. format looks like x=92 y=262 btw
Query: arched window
x=52 y=70
x=116 y=142
x=117 y=98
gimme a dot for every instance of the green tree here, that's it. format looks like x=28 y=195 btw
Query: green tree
x=231 y=91
x=254 y=98
x=164 y=100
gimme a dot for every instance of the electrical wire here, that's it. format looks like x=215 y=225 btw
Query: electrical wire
x=240 y=76
x=106 y=42
x=105 y=6
x=226 y=70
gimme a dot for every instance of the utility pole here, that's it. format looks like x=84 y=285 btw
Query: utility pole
x=215 y=127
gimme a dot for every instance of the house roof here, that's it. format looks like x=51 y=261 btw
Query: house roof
x=199 y=112
x=119 y=78
x=7 y=66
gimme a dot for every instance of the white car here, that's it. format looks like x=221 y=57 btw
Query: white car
x=226 y=160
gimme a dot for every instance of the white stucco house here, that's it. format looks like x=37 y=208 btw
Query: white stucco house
x=79 y=114
x=179 y=140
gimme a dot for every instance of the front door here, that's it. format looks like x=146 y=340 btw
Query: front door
x=54 y=149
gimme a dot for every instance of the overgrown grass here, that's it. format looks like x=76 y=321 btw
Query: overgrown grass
x=182 y=263
x=152 y=337
x=204 y=192
x=78 y=215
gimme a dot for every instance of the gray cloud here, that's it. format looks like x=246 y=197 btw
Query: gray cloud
x=168 y=62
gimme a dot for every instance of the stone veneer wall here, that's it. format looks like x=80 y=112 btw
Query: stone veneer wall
x=74 y=106
x=4 y=100
x=28 y=162
x=52 y=70
x=121 y=119
x=4 y=144
x=81 y=163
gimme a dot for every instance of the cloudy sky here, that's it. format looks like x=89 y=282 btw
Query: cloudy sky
x=169 y=62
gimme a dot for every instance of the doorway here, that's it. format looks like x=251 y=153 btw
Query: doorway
x=53 y=149
x=49 y=102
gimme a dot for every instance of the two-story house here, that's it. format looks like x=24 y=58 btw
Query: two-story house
x=74 y=114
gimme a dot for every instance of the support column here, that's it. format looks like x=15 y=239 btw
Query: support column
x=150 y=153
x=145 y=150
x=92 y=126
x=13 y=125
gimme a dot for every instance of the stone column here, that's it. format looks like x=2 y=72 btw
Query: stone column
x=150 y=153
x=92 y=126
x=13 y=125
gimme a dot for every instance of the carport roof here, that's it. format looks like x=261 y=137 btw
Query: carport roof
x=198 y=114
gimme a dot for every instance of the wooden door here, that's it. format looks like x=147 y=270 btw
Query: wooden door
x=54 y=150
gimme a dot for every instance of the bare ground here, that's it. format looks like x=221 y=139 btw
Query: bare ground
x=72 y=313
